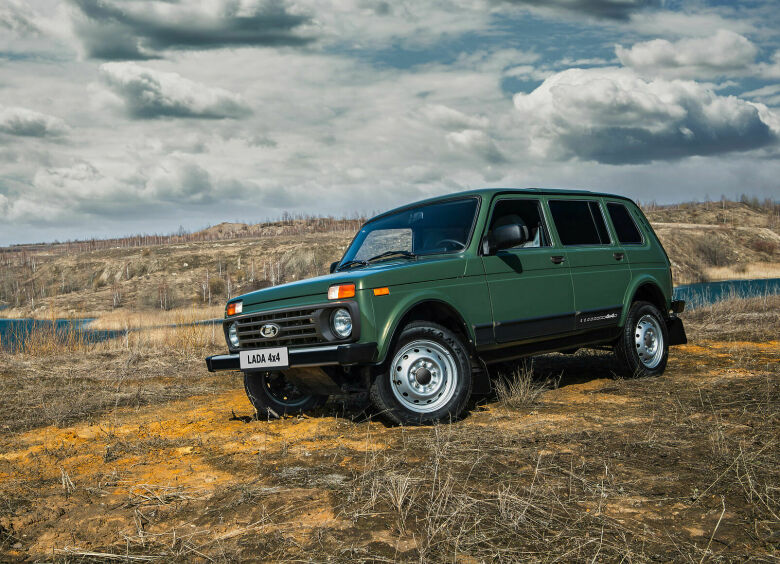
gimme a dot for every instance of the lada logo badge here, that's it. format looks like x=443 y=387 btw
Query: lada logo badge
x=269 y=330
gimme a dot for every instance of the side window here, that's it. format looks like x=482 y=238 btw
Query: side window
x=579 y=222
x=511 y=210
x=626 y=229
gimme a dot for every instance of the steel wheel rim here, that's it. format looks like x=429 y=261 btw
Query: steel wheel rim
x=423 y=376
x=649 y=341
x=281 y=390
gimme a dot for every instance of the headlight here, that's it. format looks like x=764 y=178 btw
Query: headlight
x=233 y=335
x=342 y=323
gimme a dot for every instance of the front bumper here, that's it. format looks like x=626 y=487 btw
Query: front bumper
x=326 y=355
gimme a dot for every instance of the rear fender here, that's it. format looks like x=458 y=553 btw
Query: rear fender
x=637 y=283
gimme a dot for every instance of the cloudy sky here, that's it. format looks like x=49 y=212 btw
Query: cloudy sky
x=127 y=116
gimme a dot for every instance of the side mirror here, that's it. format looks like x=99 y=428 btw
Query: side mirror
x=333 y=266
x=508 y=236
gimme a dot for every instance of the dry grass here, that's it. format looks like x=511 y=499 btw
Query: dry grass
x=60 y=376
x=520 y=388
x=736 y=318
x=144 y=456
x=124 y=319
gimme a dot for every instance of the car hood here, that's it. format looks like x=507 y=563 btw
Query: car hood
x=386 y=273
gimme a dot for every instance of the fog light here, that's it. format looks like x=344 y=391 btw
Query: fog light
x=233 y=335
x=342 y=323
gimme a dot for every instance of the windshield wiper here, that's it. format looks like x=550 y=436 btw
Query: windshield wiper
x=388 y=254
x=351 y=263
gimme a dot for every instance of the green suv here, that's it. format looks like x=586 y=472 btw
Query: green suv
x=429 y=295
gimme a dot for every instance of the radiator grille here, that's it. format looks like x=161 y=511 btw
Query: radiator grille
x=297 y=328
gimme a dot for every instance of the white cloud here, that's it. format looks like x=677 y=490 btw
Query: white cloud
x=724 y=54
x=702 y=22
x=28 y=123
x=769 y=95
x=612 y=115
x=141 y=29
x=17 y=18
x=82 y=190
x=448 y=118
x=389 y=102
x=771 y=69
x=618 y=10
x=476 y=142
x=149 y=93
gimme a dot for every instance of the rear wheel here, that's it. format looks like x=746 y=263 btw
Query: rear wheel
x=427 y=378
x=272 y=395
x=643 y=346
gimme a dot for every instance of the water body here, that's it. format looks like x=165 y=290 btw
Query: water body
x=695 y=295
x=14 y=331
x=706 y=293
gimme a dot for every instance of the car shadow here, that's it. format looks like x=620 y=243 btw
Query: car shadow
x=554 y=370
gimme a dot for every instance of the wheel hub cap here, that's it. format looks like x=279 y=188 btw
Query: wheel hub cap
x=649 y=341
x=423 y=376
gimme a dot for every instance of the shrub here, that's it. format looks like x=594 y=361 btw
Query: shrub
x=217 y=286
x=763 y=246
x=711 y=252
x=253 y=285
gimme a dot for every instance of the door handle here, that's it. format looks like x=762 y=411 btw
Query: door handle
x=557 y=259
x=619 y=256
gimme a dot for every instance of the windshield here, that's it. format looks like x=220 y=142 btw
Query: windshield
x=442 y=227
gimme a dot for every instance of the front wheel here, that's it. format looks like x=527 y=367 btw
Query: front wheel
x=427 y=379
x=643 y=345
x=272 y=395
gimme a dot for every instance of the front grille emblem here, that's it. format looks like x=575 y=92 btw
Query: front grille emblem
x=269 y=330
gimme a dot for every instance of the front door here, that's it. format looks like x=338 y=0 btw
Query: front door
x=530 y=286
x=599 y=268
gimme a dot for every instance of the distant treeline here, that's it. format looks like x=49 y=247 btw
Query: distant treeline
x=287 y=224
x=765 y=205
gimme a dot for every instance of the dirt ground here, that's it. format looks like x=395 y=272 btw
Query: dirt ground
x=681 y=467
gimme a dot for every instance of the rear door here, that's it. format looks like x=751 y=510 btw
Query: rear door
x=530 y=287
x=599 y=269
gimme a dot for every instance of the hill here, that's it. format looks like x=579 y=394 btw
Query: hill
x=705 y=241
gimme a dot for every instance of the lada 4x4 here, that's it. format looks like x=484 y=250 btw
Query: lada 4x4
x=428 y=295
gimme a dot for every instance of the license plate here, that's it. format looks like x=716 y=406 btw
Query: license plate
x=261 y=359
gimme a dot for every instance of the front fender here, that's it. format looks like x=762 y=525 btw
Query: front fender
x=467 y=297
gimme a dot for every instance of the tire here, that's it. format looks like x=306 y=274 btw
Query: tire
x=643 y=346
x=427 y=377
x=273 y=396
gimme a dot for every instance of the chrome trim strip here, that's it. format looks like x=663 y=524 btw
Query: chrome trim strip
x=315 y=349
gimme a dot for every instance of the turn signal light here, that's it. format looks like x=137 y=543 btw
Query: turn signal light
x=381 y=291
x=234 y=308
x=341 y=291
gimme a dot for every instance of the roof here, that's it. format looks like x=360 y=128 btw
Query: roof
x=488 y=193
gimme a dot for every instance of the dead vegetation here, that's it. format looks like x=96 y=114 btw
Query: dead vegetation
x=137 y=454
x=719 y=240
x=756 y=319
x=519 y=388
x=705 y=241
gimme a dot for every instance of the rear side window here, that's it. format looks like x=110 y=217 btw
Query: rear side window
x=626 y=229
x=579 y=222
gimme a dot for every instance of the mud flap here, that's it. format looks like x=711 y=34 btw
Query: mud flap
x=676 y=330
